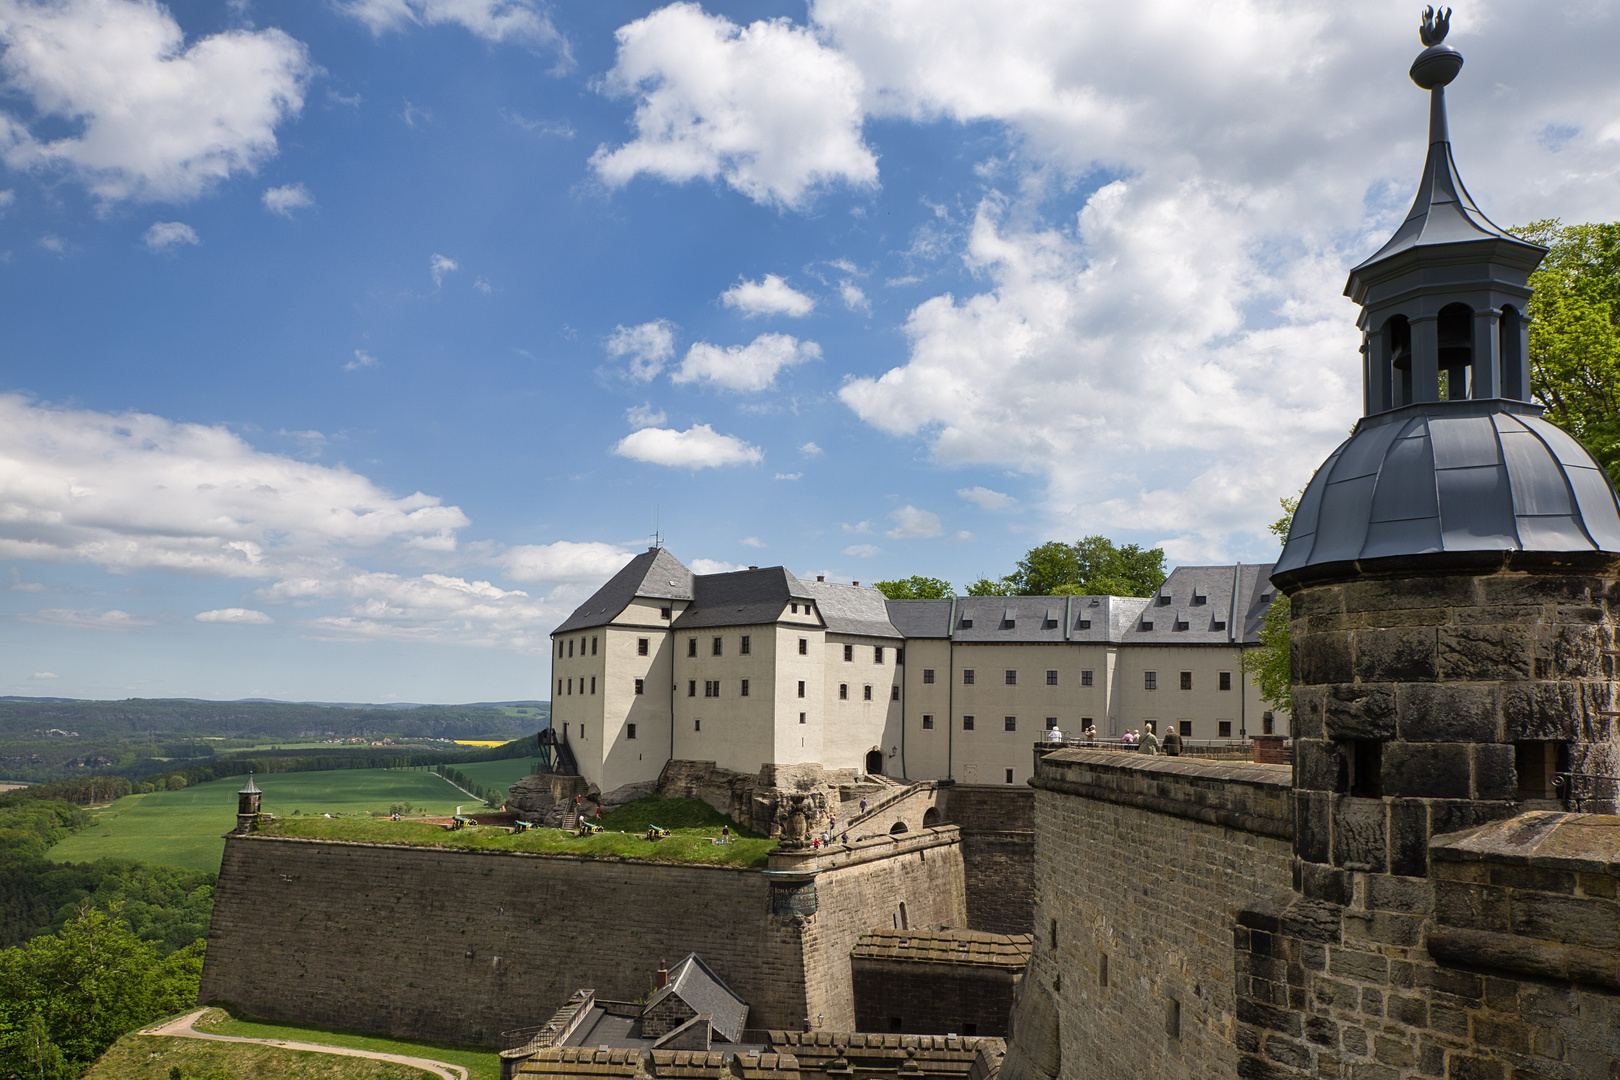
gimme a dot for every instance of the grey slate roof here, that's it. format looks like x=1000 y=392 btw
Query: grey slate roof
x=695 y=983
x=921 y=618
x=741 y=598
x=1176 y=604
x=1453 y=476
x=850 y=609
x=655 y=573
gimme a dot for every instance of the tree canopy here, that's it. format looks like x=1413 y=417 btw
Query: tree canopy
x=916 y=587
x=1270 y=666
x=1093 y=566
x=1575 y=333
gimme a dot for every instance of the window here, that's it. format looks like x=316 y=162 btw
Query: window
x=744 y=691
x=1538 y=765
x=843 y=691
x=716 y=649
x=1172 y=1019
x=570 y=647
x=899 y=655
x=1180 y=624
x=1050 y=624
x=1150 y=680
x=928 y=722
x=866 y=693
x=1199 y=599
x=1223 y=728
x=1009 y=723
x=1051 y=677
x=641 y=646
x=849 y=653
x=697 y=725
x=1164 y=599
x=691 y=646
x=877 y=654
x=593 y=684
x=1367 y=768
x=795 y=608
x=804 y=646
x=894 y=692
x=1085 y=678
x=1265 y=598
x=967 y=723
x=745 y=647
x=663 y=613
x=1009 y=776
x=559 y=650
x=1147 y=624
x=801 y=718
x=1217 y=625
x=1224 y=680
x=629 y=731
x=559 y=688
x=715 y=688
x=1085 y=722
x=1185 y=727
x=1008 y=624
x=1085 y=624
x=1012 y=677
x=1186 y=680
x=967 y=624
x=691 y=688
x=1102 y=970
x=593 y=645
x=928 y=676
x=641 y=686
x=570 y=687
x=809 y=609
x=1051 y=722
x=967 y=676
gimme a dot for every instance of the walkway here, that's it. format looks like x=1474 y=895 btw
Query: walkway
x=182 y=1029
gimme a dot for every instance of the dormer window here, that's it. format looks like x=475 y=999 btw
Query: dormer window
x=967 y=624
x=1164 y=598
x=795 y=608
x=1008 y=624
x=1199 y=599
x=1180 y=624
x=1147 y=624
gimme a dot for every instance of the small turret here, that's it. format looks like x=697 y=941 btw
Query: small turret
x=247 y=806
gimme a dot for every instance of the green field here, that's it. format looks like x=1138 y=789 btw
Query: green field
x=502 y=774
x=186 y=828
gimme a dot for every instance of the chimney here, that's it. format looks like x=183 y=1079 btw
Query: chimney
x=821 y=577
x=753 y=568
x=857 y=584
x=661 y=978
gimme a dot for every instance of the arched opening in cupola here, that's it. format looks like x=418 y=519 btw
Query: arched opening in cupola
x=1455 y=330
x=1510 y=331
x=1398 y=347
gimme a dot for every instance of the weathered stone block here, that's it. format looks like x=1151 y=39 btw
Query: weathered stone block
x=1360 y=841
x=1306 y=719
x=1494 y=776
x=1475 y=907
x=1408 y=654
x=1417 y=590
x=1311 y=825
x=1320 y=765
x=1405 y=896
x=1427 y=770
x=1322 y=658
x=1540 y=711
x=1484 y=653
x=1465 y=1067
x=1408 y=839
x=1577 y=920
x=1359 y=712
x=1324 y=883
x=1409 y=1010
x=1439 y=712
x=1361 y=966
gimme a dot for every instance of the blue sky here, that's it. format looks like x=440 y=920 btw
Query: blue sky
x=348 y=345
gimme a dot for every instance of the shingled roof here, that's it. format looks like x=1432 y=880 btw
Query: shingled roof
x=655 y=574
x=741 y=598
x=850 y=609
x=695 y=983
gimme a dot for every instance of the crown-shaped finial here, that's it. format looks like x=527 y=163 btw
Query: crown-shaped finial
x=1435 y=26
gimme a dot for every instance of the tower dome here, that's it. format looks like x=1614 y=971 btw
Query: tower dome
x=1450 y=454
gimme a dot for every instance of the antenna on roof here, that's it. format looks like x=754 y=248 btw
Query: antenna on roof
x=657 y=536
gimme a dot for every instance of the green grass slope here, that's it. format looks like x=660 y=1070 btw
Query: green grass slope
x=152 y=1057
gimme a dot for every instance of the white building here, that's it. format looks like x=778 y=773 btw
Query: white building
x=759 y=667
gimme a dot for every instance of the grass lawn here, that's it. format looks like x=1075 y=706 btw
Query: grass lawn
x=502 y=774
x=153 y=1057
x=480 y=1064
x=186 y=827
x=691 y=823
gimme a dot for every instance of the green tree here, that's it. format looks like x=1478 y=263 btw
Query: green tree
x=1575 y=333
x=985 y=587
x=1093 y=566
x=1270 y=666
x=916 y=587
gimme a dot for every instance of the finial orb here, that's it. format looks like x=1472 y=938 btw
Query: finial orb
x=1436 y=66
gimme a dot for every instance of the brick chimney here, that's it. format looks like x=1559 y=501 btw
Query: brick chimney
x=661 y=976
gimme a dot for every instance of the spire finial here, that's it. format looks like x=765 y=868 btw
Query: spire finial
x=1438 y=64
x=1435 y=26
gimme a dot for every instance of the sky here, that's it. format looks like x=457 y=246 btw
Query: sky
x=347 y=345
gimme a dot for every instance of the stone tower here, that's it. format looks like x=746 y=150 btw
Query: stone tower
x=247 y=806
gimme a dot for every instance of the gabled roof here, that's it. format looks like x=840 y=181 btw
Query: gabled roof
x=1235 y=596
x=695 y=983
x=655 y=574
x=741 y=598
x=850 y=609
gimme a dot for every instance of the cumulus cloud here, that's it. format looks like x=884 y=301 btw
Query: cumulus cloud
x=770 y=296
x=985 y=499
x=788 y=476
x=164 y=235
x=285 y=199
x=854 y=297
x=911 y=523
x=82 y=619
x=239 y=615
x=765 y=107
x=564 y=560
x=752 y=541
x=362 y=359
x=715 y=566
x=750 y=367
x=7 y=197
x=441 y=265
x=810 y=449
x=698 y=447
x=863 y=551
x=648 y=347
x=132 y=110
x=492 y=20
x=644 y=416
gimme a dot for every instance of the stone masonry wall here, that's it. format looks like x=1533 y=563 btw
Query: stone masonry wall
x=998 y=851
x=462 y=945
x=932 y=999
x=1143 y=863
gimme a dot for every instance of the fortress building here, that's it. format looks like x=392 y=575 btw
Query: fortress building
x=758 y=669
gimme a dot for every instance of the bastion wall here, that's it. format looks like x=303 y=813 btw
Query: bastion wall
x=998 y=851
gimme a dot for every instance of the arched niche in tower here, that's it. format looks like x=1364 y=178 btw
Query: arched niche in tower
x=1398 y=347
x=1455 y=331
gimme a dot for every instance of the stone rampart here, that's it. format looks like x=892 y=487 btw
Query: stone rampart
x=998 y=852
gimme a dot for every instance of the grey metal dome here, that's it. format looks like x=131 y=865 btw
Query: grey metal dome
x=1452 y=476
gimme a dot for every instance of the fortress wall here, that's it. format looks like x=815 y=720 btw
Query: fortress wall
x=462 y=945
x=1144 y=861
x=998 y=850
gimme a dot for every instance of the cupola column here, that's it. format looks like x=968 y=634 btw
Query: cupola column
x=1425 y=358
x=1487 y=359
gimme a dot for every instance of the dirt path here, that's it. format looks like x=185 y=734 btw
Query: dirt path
x=181 y=1028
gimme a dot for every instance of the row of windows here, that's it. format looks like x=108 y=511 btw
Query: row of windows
x=877 y=653
x=866 y=692
x=1012 y=624
x=1150 y=679
x=570 y=684
x=1223 y=728
x=1183 y=624
x=570 y=646
x=711 y=688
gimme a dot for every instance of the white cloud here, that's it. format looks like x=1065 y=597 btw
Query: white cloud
x=80 y=619
x=770 y=296
x=715 y=566
x=564 y=560
x=985 y=499
x=752 y=541
x=766 y=107
x=649 y=346
x=810 y=449
x=46 y=675
x=863 y=551
x=911 y=523
x=54 y=244
x=745 y=367
x=858 y=527
x=698 y=447
x=7 y=197
x=854 y=297
x=285 y=199
x=362 y=359
x=148 y=117
x=441 y=265
x=238 y=615
x=492 y=20
x=483 y=286
x=164 y=235
x=788 y=476
x=644 y=416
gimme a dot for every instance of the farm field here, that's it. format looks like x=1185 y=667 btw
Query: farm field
x=502 y=774
x=186 y=828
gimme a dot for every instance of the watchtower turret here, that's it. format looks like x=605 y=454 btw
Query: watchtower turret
x=247 y=806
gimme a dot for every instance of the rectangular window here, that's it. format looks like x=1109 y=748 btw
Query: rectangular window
x=629 y=731
x=849 y=653
x=1085 y=624
x=967 y=676
x=641 y=686
x=928 y=722
x=899 y=656
x=843 y=691
x=1180 y=624
x=559 y=650
x=801 y=688
x=967 y=723
x=1150 y=680
x=593 y=684
x=928 y=676
x=1051 y=722
x=1538 y=765
x=1223 y=728
x=1009 y=624
x=570 y=647
x=691 y=688
x=570 y=687
x=1185 y=727
x=641 y=646
x=877 y=654
x=744 y=691
x=1186 y=680
x=1051 y=678
x=691 y=646
x=1266 y=724
x=593 y=645
x=716 y=651
x=664 y=613
x=697 y=725
x=559 y=688
x=795 y=608
x=1225 y=680
x=1012 y=677
x=967 y=624
x=894 y=692
x=801 y=718
x=744 y=647
x=1009 y=723
x=1147 y=624
x=866 y=694
x=1085 y=678
x=1009 y=776
x=1102 y=970
x=1050 y=624
x=804 y=646
x=1367 y=768
x=714 y=688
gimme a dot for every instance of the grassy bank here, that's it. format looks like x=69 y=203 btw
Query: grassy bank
x=152 y=1057
x=480 y=1064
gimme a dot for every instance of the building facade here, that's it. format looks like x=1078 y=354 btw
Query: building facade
x=759 y=667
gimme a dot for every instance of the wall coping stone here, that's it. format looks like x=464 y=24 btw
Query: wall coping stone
x=1546 y=839
x=856 y=852
x=435 y=849
x=1142 y=781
